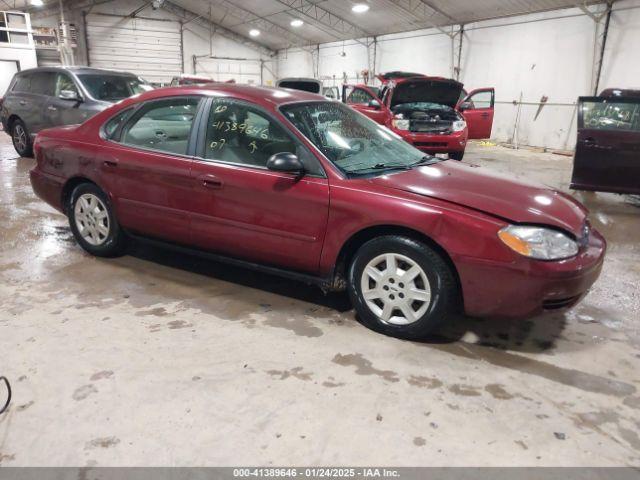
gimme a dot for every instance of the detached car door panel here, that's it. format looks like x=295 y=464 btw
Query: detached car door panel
x=242 y=209
x=607 y=154
x=478 y=110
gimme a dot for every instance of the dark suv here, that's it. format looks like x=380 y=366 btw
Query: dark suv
x=48 y=97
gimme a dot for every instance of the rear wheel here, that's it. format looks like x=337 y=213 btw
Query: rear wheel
x=93 y=222
x=401 y=287
x=21 y=139
x=456 y=155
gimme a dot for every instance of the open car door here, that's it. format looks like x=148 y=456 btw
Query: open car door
x=607 y=155
x=477 y=108
x=365 y=101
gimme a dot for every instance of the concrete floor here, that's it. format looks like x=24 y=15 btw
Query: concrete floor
x=161 y=359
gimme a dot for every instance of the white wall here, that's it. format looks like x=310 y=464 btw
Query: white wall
x=548 y=54
x=24 y=55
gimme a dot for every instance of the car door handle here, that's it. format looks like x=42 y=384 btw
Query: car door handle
x=485 y=115
x=110 y=163
x=52 y=108
x=210 y=181
x=592 y=143
x=161 y=134
x=22 y=102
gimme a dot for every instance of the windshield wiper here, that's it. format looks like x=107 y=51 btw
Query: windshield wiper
x=426 y=160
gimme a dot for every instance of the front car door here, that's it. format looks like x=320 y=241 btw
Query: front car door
x=607 y=155
x=478 y=108
x=363 y=100
x=240 y=208
x=60 y=111
x=145 y=164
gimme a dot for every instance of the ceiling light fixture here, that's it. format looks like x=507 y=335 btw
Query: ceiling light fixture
x=297 y=22
x=254 y=32
x=37 y=3
x=360 y=8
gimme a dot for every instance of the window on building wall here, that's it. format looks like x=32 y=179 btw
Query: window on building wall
x=14 y=28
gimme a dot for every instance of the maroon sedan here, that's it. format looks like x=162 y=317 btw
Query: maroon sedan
x=294 y=184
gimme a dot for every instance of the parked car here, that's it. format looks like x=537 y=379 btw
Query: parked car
x=331 y=92
x=607 y=157
x=186 y=79
x=51 y=96
x=434 y=114
x=299 y=185
x=304 y=84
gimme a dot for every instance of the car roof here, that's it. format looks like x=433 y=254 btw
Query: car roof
x=620 y=93
x=76 y=70
x=254 y=94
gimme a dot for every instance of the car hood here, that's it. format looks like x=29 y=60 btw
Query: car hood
x=428 y=90
x=495 y=194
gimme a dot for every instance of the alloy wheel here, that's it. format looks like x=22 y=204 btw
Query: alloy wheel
x=20 y=138
x=396 y=289
x=92 y=219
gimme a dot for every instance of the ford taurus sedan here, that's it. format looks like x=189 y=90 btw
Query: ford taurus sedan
x=297 y=185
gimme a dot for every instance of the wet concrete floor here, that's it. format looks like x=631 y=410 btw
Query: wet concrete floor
x=157 y=358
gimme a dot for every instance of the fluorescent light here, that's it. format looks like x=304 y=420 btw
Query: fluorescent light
x=360 y=8
x=254 y=32
x=297 y=23
x=37 y=3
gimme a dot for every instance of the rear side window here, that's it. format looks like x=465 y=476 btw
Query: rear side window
x=112 y=125
x=43 y=83
x=23 y=84
x=163 y=125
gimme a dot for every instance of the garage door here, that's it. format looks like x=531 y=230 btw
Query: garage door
x=8 y=68
x=149 y=48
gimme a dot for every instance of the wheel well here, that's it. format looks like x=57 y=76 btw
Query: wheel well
x=10 y=121
x=71 y=184
x=360 y=238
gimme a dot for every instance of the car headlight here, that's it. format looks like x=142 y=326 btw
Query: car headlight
x=458 y=125
x=538 y=242
x=401 y=124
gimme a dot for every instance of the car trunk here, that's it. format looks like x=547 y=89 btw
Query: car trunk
x=427 y=103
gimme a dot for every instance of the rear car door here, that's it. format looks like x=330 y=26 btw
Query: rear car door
x=366 y=102
x=146 y=165
x=607 y=154
x=478 y=108
x=64 y=112
x=29 y=97
x=242 y=209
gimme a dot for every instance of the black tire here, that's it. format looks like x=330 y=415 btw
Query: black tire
x=456 y=155
x=441 y=306
x=111 y=243
x=21 y=138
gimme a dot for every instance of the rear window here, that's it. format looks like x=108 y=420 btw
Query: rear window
x=41 y=83
x=312 y=87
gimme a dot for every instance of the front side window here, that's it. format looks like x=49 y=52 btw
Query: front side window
x=605 y=115
x=239 y=133
x=163 y=125
x=64 y=82
x=354 y=143
x=359 y=96
x=112 y=88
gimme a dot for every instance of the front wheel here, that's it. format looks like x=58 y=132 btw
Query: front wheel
x=401 y=287
x=93 y=222
x=456 y=155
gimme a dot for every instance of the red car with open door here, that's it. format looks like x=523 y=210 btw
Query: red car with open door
x=434 y=114
x=607 y=155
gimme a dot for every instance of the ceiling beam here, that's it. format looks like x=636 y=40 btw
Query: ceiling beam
x=330 y=23
x=423 y=13
x=261 y=23
x=189 y=16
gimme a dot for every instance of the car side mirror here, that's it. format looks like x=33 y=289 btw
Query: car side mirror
x=69 y=95
x=465 y=106
x=374 y=104
x=285 y=162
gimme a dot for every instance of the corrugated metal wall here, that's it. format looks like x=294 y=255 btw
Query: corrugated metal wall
x=147 y=47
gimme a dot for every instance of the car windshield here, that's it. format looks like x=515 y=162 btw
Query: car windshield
x=355 y=144
x=112 y=88
x=422 y=106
